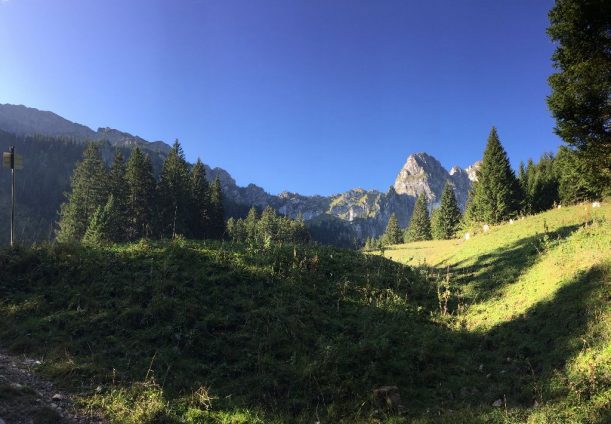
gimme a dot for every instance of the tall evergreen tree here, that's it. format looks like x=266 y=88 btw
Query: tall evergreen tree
x=496 y=193
x=582 y=86
x=141 y=195
x=119 y=190
x=539 y=184
x=174 y=192
x=393 y=233
x=577 y=181
x=446 y=219
x=419 y=224
x=250 y=225
x=200 y=194
x=217 y=211
x=89 y=191
x=102 y=225
x=267 y=227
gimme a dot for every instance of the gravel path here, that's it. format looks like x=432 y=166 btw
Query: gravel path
x=27 y=399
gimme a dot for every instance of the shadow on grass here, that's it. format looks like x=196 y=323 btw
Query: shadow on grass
x=488 y=274
x=297 y=335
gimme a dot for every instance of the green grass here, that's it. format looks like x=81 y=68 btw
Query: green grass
x=205 y=332
x=537 y=291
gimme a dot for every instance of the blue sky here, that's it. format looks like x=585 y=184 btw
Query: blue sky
x=310 y=96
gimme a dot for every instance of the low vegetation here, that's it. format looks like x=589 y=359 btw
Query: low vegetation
x=516 y=328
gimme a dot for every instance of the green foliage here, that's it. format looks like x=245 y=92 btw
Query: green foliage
x=141 y=195
x=102 y=225
x=446 y=219
x=496 y=194
x=89 y=192
x=581 y=88
x=216 y=221
x=577 y=181
x=174 y=195
x=187 y=331
x=118 y=188
x=268 y=229
x=393 y=233
x=40 y=185
x=539 y=183
x=200 y=194
x=419 y=224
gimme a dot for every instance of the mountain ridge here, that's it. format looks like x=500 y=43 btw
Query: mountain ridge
x=362 y=213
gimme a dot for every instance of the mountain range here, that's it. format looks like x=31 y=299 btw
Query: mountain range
x=344 y=219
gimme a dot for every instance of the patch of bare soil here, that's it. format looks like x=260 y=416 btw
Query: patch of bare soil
x=28 y=399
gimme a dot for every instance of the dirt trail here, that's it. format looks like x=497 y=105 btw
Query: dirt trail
x=28 y=399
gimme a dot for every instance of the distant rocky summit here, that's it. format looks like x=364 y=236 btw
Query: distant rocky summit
x=356 y=214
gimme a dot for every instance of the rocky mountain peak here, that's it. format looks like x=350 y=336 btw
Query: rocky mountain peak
x=421 y=174
x=472 y=170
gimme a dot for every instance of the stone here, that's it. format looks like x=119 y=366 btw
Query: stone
x=497 y=403
x=57 y=396
x=387 y=397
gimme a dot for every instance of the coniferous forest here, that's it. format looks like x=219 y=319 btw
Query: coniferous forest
x=145 y=289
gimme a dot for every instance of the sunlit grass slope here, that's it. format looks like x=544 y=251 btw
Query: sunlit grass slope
x=515 y=330
x=539 y=289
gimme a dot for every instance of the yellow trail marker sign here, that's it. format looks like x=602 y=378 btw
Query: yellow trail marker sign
x=16 y=163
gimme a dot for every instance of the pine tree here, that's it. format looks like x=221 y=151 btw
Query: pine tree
x=496 y=193
x=175 y=195
x=576 y=181
x=200 y=195
x=299 y=231
x=250 y=225
x=101 y=228
x=140 y=195
x=89 y=191
x=217 y=211
x=582 y=84
x=419 y=224
x=119 y=190
x=393 y=233
x=446 y=219
x=267 y=227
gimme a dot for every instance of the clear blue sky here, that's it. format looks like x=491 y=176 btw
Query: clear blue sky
x=312 y=96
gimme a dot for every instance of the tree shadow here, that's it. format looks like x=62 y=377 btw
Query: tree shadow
x=489 y=274
x=298 y=337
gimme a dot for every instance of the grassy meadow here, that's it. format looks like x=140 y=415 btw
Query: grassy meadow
x=506 y=327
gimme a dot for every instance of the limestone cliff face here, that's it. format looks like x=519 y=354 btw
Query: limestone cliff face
x=422 y=174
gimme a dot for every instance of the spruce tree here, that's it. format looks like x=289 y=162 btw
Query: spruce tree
x=217 y=211
x=576 y=181
x=119 y=190
x=419 y=224
x=267 y=227
x=175 y=194
x=447 y=218
x=140 y=195
x=581 y=87
x=101 y=228
x=496 y=193
x=393 y=233
x=89 y=191
x=200 y=195
x=250 y=225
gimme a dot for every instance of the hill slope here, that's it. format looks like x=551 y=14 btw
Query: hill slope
x=204 y=332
